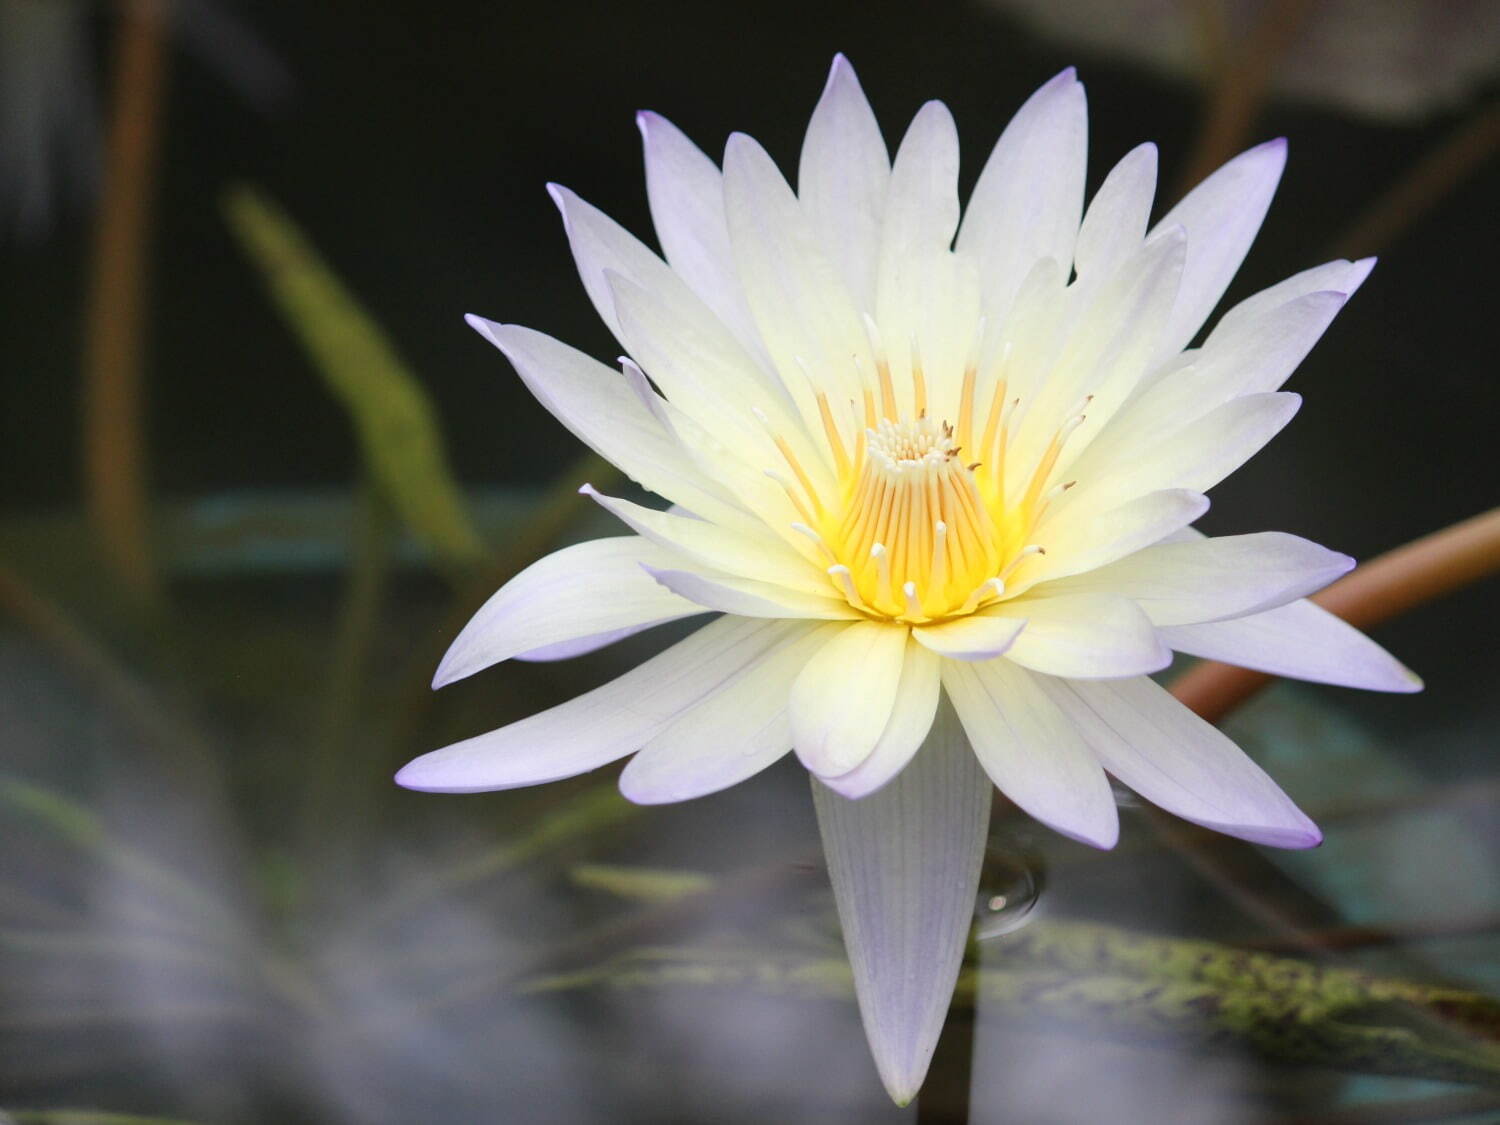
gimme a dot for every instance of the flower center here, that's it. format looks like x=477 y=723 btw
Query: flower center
x=923 y=529
x=914 y=538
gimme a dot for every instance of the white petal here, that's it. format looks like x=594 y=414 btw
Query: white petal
x=726 y=738
x=905 y=863
x=1115 y=224
x=1077 y=541
x=757 y=555
x=842 y=180
x=1195 y=456
x=746 y=597
x=1174 y=759
x=1299 y=640
x=1090 y=636
x=1221 y=216
x=686 y=192
x=975 y=637
x=922 y=206
x=607 y=723
x=1211 y=579
x=842 y=700
x=1029 y=197
x=911 y=720
x=798 y=297
x=1337 y=277
x=1031 y=750
x=580 y=591
x=598 y=405
x=578 y=646
x=1260 y=352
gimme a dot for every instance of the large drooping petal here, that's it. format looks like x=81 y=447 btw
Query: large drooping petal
x=1031 y=750
x=978 y=636
x=1191 y=581
x=1029 y=197
x=727 y=738
x=607 y=723
x=686 y=192
x=558 y=599
x=598 y=405
x=842 y=700
x=1221 y=216
x=1090 y=636
x=911 y=718
x=842 y=179
x=1174 y=759
x=905 y=865
x=1299 y=640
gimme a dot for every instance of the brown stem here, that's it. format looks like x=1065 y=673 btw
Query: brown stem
x=1422 y=185
x=1400 y=580
x=1236 y=99
x=114 y=457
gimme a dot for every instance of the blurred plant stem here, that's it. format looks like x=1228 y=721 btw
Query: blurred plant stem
x=183 y=751
x=393 y=419
x=1423 y=185
x=1239 y=78
x=86 y=1117
x=1385 y=587
x=348 y=667
x=114 y=452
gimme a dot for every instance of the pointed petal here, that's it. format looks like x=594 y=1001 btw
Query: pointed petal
x=1077 y=542
x=745 y=597
x=1115 y=225
x=1174 y=759
x=1029 y=197
x=728 y=737
x=1090 y=636
x=578 y=592
x=1259 y=352
x=1222 y=216
x=922 y=207
x=842 y=180
x=905 y=863
x=686 y=193
x=911 y=720
x=1337 y=277
x=607 y=723
x=1031 y=751
x=801 y=305
x=976 y=637
x=598 y=405
x=842 y=700
x=1299 y=640
x=578 y=646
x=1199 y=580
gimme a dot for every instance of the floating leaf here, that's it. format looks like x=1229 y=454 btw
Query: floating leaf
x=397 y=427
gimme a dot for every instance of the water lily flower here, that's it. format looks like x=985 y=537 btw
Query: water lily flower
x=937 y=475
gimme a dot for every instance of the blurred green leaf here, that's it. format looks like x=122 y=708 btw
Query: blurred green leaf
x=639 y=884
x=396 y=424
x=84 y=1117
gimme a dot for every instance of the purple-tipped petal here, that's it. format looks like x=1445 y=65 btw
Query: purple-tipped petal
x=1299 y=640
x=1174 y=759
x=607 y=723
